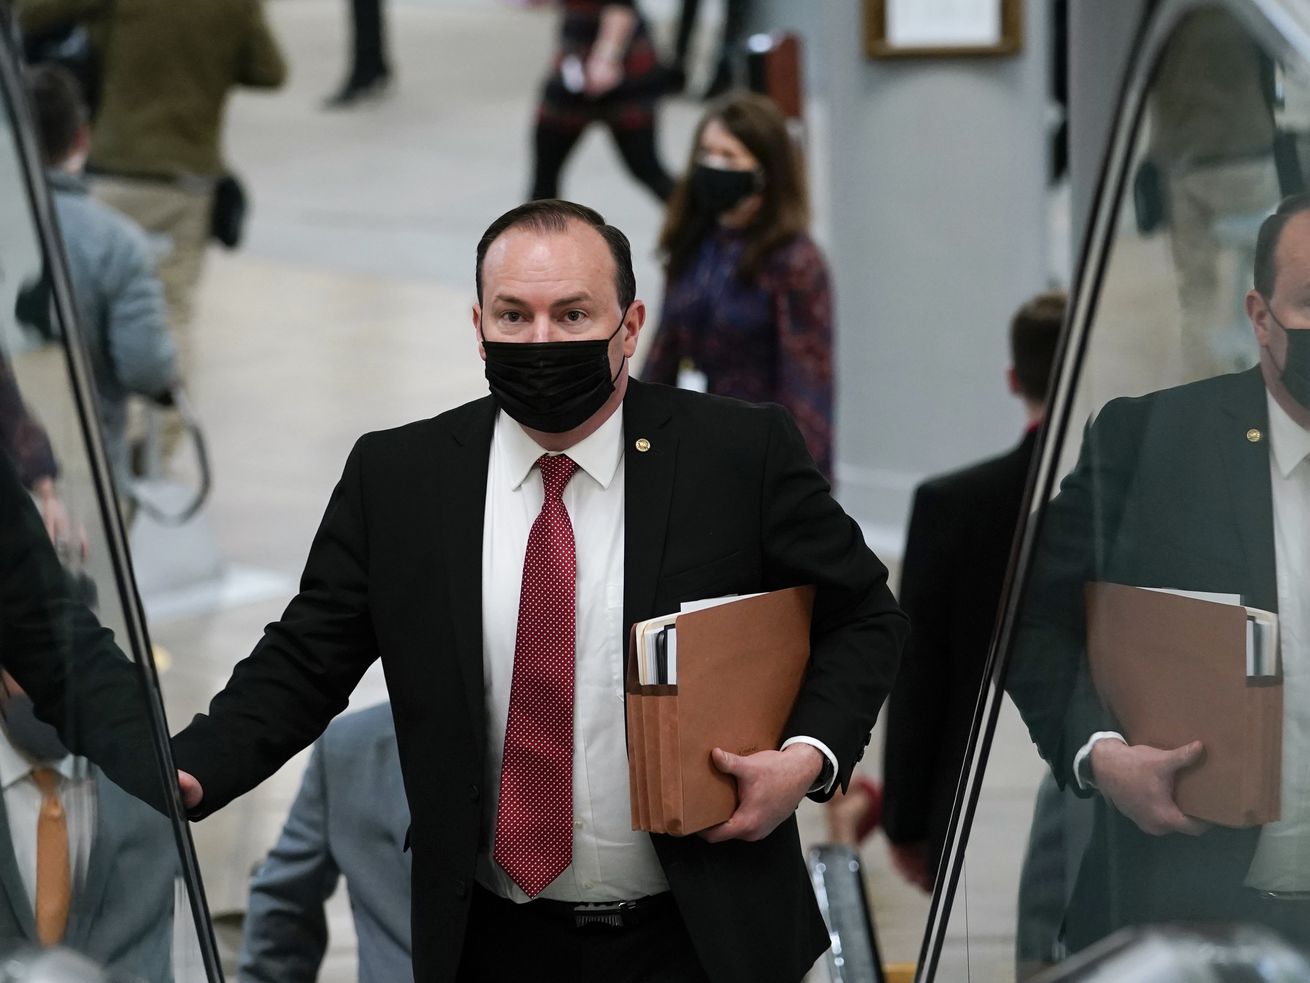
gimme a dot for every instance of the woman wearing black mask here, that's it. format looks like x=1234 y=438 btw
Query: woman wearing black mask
x=747 y=307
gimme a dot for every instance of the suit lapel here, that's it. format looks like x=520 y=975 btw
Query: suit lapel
x=465 y=483
x=1243 y=437
x=106 y=841
x=648 y=492
x=12 y=881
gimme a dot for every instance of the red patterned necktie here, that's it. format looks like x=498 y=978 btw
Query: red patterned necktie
x=534 y=823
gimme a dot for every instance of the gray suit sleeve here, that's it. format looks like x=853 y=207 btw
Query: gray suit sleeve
x=286 y=933
x=144 y=357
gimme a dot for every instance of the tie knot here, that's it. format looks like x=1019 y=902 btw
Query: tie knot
x=47 y=780
x=556 y=470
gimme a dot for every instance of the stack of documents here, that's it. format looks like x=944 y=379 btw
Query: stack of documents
x=721 y=673
x=1180 y=666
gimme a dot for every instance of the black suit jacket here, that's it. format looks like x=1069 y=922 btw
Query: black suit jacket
x=725 y=500
x=1169 y=491
x=956 y=554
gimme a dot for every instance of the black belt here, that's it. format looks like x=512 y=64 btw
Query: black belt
x=611 y=914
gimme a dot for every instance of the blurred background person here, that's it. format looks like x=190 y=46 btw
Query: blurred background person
x=957 y=551
x=24 y=442
x=748 y=307
x=350 y=818
x=1212 y=145
x=119 y=299
x=370 y=71
x=160 y=167
x=605 y=71
x=735 y=15
x=961 y=528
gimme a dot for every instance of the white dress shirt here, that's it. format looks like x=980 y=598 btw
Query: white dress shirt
x=1282 y=858
x=77 y=793
x=610 y=861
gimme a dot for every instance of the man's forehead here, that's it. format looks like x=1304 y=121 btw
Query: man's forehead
x=576 y=242
x=574 y=262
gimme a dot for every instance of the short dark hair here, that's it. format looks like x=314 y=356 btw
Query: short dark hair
x=1034 y=335
x=1266 y=242
x=554 y=215
x=58 y=108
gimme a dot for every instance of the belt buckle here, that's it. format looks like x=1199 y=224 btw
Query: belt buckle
x=609 y=913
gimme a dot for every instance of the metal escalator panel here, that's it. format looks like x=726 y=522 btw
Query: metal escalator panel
x=1164 y=515
x=106 y=868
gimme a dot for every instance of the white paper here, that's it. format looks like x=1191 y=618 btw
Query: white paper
x=713 y=602
x=943 y=23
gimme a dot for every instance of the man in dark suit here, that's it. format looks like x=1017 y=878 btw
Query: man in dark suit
x=956 y=554
x=1203 y=487
x=509 y=704
x=349 y=819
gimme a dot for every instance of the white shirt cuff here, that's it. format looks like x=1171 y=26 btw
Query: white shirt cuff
x=831 y=771
x=1082 y=769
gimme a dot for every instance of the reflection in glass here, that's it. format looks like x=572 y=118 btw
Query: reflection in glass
x=89 y=859
x=1191 y=476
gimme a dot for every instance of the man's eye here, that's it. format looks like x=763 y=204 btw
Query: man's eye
x=575 y=316
x=512 y=316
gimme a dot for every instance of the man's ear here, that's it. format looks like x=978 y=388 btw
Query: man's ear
x=632 y=326
x=1257 y=312
x=1012 y=380
x=477 y=330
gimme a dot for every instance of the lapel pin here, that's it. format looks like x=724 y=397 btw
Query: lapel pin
x=1254 y=435
x=642 y=445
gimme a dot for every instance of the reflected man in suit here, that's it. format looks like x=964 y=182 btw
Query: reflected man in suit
x=349 y=819
x=82 y=863
x=493 y=558
x=957 y=552
x=1202 y=487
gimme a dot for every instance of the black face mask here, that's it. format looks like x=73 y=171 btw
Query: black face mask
x=551 y=386
x=1296 y=366
x=35 y=738
x=718 y=190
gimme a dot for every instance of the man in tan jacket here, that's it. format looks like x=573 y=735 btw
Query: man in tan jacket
x=156 y=141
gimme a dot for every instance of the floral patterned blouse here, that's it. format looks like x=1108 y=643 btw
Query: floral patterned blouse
x=764 y=340
x=21 y=438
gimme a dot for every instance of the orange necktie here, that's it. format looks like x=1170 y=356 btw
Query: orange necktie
x=54 y=884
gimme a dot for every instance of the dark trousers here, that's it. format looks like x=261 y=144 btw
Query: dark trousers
x=734 y=21
x=368 y=61
x=508 y=943
x=552 y=147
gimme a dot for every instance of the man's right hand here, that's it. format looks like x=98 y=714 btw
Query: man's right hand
x=1138 y=780
x=192 y=793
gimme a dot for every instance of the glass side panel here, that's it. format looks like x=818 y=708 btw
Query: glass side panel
x=1162 y=594
x=89 y=857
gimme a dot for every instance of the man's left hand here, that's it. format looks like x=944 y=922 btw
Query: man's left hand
x=770 y=785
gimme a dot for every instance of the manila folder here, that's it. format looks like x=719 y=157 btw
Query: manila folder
x=740 y=668
x=1172 y=669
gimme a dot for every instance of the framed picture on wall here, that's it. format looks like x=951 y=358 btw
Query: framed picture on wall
x=942 y=28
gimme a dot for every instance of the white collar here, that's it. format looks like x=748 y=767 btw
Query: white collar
x=1289 y=441
x=15 y=765
x=598 y=454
